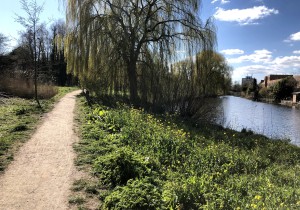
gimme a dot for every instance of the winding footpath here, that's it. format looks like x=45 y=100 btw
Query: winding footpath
x=42 y=173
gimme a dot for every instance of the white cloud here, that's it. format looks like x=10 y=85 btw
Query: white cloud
x=221 y=1
x=278 y=65
x=261 y=63
x=244 y=16
x=242 y=71
x=287 y=62
x=232 y=52
x=293 y=37
x=259 y=56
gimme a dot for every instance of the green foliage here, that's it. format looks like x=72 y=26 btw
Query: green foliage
x=263 y=92
x=121 y=165
x=283 y=89
x=142 y=194
x=158 y=162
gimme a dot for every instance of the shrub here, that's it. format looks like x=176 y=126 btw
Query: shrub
x=143 y=194
x=121 y=165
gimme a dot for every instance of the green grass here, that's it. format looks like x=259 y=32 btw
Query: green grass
x=163 y=162
x=18 y=119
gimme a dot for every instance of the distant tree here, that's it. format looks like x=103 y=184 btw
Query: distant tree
x=236 y=87
x=283 y=89
x=31 y=23
x=3 y=43
x=212 y=73
x=263 y=92
x=57 y=58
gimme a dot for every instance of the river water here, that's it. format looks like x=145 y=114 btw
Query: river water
x=271 y=120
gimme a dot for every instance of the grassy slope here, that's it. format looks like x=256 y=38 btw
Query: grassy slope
x=143 y=161
x=18 y=119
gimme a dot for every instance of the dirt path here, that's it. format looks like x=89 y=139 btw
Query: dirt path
x=41 y=175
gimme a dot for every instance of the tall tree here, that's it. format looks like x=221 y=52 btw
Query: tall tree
x=31 y=23
x=108 y=34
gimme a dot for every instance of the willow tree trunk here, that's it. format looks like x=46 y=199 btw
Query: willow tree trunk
x=132 y=77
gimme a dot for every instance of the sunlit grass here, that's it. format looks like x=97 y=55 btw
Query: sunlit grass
x=164 y=162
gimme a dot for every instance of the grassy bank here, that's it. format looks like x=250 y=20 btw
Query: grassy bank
x=18 y=119
x=142 y=161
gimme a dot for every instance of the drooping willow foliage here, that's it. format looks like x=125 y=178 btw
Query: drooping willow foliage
x=131 y=47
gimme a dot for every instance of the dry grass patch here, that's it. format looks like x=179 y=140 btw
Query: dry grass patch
x=25 y=88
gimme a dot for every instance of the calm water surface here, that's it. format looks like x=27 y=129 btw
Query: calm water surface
x=268 y=119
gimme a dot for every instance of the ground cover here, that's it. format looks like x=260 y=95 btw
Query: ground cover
x=143 y=161
x=18 y=119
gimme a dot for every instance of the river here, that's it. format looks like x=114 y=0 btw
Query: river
x=271 y=120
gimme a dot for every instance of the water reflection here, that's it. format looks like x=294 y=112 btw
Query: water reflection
x=271 y=120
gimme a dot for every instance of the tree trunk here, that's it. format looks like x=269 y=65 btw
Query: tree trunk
x=35 y=69
x=132 y=77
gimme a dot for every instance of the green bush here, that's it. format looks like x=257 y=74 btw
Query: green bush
x=140 y=194
x=121 y=165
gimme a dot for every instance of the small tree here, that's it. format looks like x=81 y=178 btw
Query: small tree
x=33 y=11
x=284 y=88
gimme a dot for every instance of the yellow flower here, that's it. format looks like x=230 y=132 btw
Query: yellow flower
x=253 y=205
x=257 y=197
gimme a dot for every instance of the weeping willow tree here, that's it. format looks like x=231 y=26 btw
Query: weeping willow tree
x=128 y=45
x=213 y=74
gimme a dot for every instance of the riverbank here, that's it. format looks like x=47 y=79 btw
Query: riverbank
x=144 y=161
x=287 y=103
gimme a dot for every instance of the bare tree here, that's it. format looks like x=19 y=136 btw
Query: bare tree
x=107 y=34
x=3 y=43
x=31 y=23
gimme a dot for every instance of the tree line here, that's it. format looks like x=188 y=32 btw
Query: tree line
x=158 y=54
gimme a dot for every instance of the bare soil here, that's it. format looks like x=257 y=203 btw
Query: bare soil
x=43 y=171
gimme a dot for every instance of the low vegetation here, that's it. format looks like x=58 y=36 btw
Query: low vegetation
x=143 y=161
x=25 y=89
x=18 y=119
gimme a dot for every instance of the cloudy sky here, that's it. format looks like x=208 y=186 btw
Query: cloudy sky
x=258 y=37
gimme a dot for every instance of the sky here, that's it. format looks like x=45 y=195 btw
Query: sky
x=257 y=37
x=52 y=10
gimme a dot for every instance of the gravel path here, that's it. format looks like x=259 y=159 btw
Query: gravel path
x=42 y=173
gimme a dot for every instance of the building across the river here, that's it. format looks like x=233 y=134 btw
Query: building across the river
x=274 y=78
x=296 y=97
x=248 y=81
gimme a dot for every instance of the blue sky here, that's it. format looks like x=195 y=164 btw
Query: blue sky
x=53 y=10
x=257 y=37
